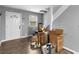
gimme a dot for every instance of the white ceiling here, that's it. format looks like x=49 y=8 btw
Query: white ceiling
x=33 y=8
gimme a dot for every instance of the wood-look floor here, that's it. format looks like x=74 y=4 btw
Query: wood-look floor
x=21 y=46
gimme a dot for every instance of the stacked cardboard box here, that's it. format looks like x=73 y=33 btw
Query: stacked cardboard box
x=56 y=39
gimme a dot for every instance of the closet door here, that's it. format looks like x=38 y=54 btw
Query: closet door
x=12 y=25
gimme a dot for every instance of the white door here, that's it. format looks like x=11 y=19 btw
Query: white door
x=12 y=25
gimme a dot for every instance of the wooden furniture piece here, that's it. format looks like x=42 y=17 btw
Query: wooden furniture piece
x=59 y=40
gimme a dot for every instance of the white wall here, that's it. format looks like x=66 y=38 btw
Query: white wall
x=69 y=20
x=25 y=20
x=47 y=18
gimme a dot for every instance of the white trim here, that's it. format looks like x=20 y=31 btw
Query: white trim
x=73 y=51
x=51 y=16
x=21 y=24
x=13 y=39
x=60 y=11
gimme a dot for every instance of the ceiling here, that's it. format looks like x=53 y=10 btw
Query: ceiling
x=56 y=7
x=33 y=8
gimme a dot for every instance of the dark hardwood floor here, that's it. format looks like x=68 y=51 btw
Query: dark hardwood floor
x=21 y=46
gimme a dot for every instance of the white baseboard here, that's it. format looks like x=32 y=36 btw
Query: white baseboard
x=14 y=39
x=73 y=51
